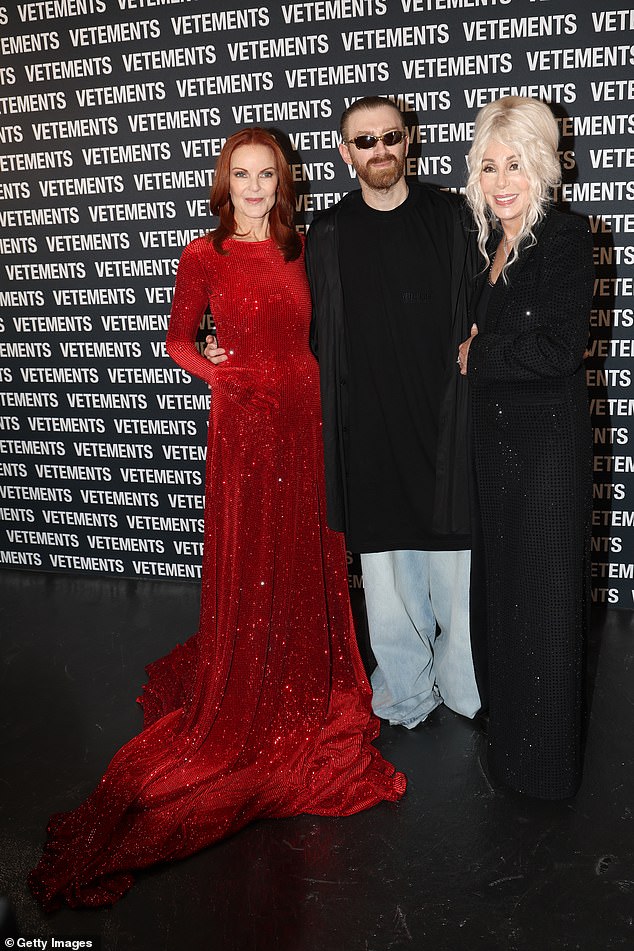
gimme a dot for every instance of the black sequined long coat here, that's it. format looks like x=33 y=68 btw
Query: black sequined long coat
x=532 y=457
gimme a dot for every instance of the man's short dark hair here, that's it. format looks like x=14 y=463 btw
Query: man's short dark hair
x=367 y=102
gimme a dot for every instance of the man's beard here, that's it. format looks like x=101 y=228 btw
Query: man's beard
x=382 y=177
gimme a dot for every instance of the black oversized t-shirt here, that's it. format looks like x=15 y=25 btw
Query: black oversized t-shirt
x=395 y=272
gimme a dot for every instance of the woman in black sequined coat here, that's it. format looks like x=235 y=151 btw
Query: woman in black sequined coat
x=532 y=450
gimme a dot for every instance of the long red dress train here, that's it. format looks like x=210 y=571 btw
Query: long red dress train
x=266 y=710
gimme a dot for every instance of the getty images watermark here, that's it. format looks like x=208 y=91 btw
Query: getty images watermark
x=92 y=942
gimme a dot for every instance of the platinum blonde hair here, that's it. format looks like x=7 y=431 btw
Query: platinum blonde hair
x=530 y=129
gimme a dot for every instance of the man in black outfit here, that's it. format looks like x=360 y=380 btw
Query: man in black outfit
x=389 y=269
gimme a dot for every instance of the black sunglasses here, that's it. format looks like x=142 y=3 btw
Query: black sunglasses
x=369 y=141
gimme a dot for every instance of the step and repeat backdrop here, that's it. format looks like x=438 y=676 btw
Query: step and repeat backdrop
x=112 y=114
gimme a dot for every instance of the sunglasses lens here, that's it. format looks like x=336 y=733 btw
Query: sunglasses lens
x=365 y=141
x=369 y=141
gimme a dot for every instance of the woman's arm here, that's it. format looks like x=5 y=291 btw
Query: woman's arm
x=555 y=346
x=242 y=385
x=189 y=304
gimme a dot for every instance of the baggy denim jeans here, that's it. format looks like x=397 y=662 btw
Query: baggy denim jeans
x=417 y=604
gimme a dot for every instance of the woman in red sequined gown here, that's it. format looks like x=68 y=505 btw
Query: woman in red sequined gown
x=266 y=710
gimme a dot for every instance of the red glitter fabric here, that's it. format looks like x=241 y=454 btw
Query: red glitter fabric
x=266 y=710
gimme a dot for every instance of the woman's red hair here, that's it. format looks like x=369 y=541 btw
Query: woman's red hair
x=282 y=215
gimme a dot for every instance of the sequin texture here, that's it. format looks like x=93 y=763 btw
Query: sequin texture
x=266 y=710
x=533 y=464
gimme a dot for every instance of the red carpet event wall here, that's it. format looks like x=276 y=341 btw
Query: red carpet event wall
x=112 y=114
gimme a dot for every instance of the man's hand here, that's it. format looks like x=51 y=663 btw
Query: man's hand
x=463 y=351
x=213 y=352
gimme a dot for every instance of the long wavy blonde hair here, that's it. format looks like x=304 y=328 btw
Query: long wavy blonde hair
x=529 y=128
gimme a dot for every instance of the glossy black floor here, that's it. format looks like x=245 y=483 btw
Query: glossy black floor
x=456 y=866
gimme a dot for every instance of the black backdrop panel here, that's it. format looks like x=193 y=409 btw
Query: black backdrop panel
x=112 y=115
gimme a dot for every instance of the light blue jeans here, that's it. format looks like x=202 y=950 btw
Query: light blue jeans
x=418 y=619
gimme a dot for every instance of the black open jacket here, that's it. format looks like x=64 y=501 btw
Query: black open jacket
x=328 y=343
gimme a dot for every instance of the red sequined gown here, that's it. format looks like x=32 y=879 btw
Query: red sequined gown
x=266 y=710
